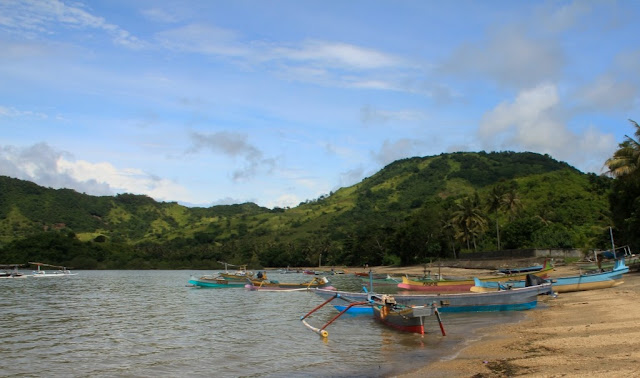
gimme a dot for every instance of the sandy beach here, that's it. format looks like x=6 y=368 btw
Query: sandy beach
x=580 y=334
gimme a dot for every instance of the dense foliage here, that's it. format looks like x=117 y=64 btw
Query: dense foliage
x=411 y=211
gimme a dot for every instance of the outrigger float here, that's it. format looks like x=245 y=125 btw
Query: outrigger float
x=386 y=311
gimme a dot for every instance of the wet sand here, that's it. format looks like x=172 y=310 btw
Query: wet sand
x=580 y=334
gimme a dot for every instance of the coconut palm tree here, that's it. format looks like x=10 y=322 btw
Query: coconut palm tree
x=496 y=203
x=626 y=160
x=469 y=220
x=512 y=203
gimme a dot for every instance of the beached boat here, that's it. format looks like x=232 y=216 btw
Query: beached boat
x=385 y=309
x=506 y=300
x=273 y=285
x=441 y=286
x=587 y=281
x=404 y=318
x=528 y=269
x=61 y=272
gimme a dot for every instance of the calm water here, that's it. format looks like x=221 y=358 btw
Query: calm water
x=144 y=323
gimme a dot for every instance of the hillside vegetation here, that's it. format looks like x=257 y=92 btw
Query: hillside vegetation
x=409 y=212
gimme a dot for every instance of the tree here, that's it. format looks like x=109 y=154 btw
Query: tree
x=469 y=220
x=495 y=203
x=626 y=160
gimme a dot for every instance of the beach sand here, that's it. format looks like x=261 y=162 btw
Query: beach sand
x=580 y=334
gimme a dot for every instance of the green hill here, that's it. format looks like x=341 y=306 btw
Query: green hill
x=411 y=210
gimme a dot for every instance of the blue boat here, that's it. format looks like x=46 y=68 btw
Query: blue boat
x=506 y=300
x=588 y=281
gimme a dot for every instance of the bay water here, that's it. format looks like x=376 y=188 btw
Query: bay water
x=150 y=323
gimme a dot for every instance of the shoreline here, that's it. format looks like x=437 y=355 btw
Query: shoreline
x=579 y=334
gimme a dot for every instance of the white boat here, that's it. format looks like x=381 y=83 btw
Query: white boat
x=11 y=271
x=61 y=272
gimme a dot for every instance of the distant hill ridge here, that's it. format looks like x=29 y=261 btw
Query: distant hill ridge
x=381 y=219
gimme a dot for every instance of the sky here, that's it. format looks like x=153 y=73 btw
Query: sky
x=279 y=102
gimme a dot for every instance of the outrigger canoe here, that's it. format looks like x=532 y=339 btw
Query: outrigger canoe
x=439 y=286
x=273 y=285
x=505 y=300
x=215 y=282
x=589 y=281
x=385 y=310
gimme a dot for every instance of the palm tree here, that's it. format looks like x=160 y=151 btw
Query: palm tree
x=512 y=203
x=626 y=160
x=469 y=220
x=496 y=203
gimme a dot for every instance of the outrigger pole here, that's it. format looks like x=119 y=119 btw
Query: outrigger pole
x=321 y=331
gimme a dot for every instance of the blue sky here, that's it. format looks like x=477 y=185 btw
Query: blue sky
x=277 y=102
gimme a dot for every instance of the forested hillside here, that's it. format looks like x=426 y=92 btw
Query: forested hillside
x=409 y=212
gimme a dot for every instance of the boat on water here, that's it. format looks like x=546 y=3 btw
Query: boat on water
x=274 y=285
x=215 y=281
x=444 y=285
x=404 y=318
x=580 y=282
x=504 y=300
x=384 y=309
x=242 y=274
x=11 y=271
x=61 y=272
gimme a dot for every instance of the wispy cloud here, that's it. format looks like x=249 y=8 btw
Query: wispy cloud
x=34 y=17
x=234 y=145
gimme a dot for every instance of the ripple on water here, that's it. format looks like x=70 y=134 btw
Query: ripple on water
x=142 y=323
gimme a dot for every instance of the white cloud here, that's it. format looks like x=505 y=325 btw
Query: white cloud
x=607 y=94
x=48 y=167
x=510 y=57
x=399 y=149
x=533 y=122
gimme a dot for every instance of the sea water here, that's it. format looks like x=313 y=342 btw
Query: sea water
x=150 y=323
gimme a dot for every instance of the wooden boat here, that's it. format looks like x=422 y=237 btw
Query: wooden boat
x=404 y=318
x=386 y=310
x=506 y=300
x=61 y=272
x=242 y=274
x=380 y=282
x=588 y=281
x=11 y=271
x=273 y=285
x=440 y=286
x=215 y=282
x=528 y=269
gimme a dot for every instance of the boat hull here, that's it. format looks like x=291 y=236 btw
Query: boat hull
x=506 y=300
x=440 y=286
x=409 y=319
x=215 y=282
x=592 y=281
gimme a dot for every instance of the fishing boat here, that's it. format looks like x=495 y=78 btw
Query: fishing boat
x=404 y=318
x=273 y=285
x=61 y=272
x=242 y=274
x=443 y=285
x=384 y=309
x=587 y=281
x=528 y=269
x=215 y=282
x=505 y=300
x=11 y=271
